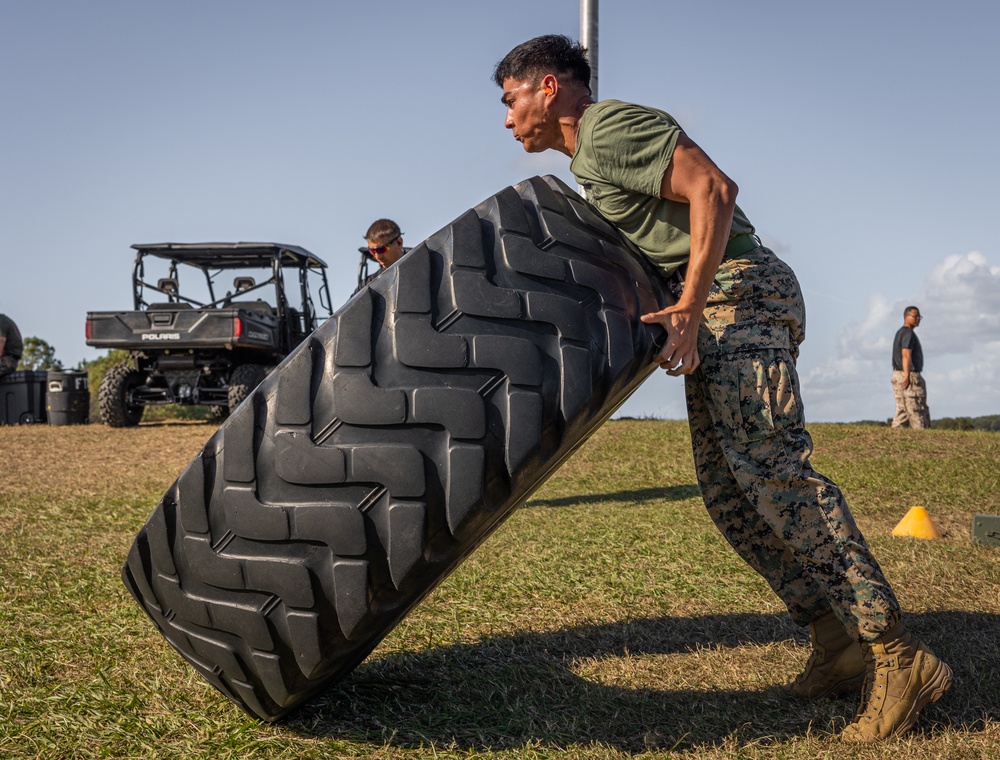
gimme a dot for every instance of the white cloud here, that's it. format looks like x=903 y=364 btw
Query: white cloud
x=960 y=335
x=962 y=297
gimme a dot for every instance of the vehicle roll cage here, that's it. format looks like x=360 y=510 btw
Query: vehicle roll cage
x=213 y=259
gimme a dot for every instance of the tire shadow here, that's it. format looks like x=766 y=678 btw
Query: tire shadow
x=670 y=493
x=521 y=690
x=177 y=423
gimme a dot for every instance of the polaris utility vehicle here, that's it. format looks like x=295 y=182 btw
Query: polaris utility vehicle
x=209 y=330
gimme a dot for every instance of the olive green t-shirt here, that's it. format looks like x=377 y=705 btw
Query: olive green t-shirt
x=622 y=152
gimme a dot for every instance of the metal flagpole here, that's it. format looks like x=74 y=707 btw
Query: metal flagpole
x=588 y=38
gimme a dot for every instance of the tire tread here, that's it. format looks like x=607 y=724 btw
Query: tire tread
x=392 y=442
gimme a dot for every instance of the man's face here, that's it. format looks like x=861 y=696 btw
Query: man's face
x=527 y=114
x=912 y=318
x=388 y=252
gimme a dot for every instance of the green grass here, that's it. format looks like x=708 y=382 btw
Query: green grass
x=606 y=619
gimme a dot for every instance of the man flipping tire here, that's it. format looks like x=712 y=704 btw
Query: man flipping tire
x=734 y=334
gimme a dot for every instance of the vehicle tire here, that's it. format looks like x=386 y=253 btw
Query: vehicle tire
x=393 y=441
x=242 y=381
x=114 y=397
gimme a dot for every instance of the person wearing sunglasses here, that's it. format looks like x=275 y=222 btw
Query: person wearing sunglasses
x=907 y=383
x=384 y=245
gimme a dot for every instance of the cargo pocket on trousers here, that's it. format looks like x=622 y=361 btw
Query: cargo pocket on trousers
x=916 y=395
x=761 y=396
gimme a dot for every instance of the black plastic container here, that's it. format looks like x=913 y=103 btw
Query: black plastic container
x=22 y=398
x=67 y=401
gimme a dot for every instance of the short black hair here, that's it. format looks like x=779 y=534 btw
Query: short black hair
x=910 y=309
x=550 y=53
x=383 y=231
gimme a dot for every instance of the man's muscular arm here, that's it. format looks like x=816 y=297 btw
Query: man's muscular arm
x=694 y=179
x=907 y=365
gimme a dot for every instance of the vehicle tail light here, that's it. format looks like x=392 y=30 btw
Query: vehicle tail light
x=90 y=328
x=237 y=327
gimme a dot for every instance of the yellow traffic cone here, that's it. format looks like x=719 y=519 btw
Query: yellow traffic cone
x=918 y=524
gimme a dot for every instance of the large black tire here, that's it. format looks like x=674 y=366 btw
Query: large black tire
x=114 y=397
x=242 y=382
x=392 y=442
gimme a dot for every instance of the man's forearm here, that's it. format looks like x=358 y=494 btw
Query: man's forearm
x=710 y=195
x=710 y=224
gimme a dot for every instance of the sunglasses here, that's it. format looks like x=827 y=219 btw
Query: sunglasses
x=382 y=248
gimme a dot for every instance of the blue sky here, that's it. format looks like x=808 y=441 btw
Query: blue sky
x=862 y=136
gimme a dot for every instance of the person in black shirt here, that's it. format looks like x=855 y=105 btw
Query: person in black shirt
x=907 y=383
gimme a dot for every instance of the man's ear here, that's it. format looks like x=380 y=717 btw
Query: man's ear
x=550 y=84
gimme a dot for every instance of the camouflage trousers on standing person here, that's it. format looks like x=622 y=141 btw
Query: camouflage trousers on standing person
x=911 y=403
x=751 y=450
x=8 y=364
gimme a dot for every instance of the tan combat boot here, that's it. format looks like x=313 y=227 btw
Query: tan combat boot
x=836 y=665
x=903 y=677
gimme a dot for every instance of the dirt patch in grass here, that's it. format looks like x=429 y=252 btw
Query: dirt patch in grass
x=87 y=461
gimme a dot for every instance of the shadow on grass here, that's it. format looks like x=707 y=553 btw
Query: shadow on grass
x=173 y=423
x=516 y=691
x=670 y=493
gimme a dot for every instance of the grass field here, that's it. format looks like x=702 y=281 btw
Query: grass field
x=606 y=619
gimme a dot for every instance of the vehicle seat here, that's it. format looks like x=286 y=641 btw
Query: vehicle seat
x=167 y=285
x=259 y=306
x=168 y=306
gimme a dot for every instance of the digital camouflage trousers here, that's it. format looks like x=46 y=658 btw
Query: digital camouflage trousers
x=751 y=451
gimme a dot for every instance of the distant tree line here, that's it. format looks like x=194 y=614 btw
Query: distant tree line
x=990 y=423
x=38 y=355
